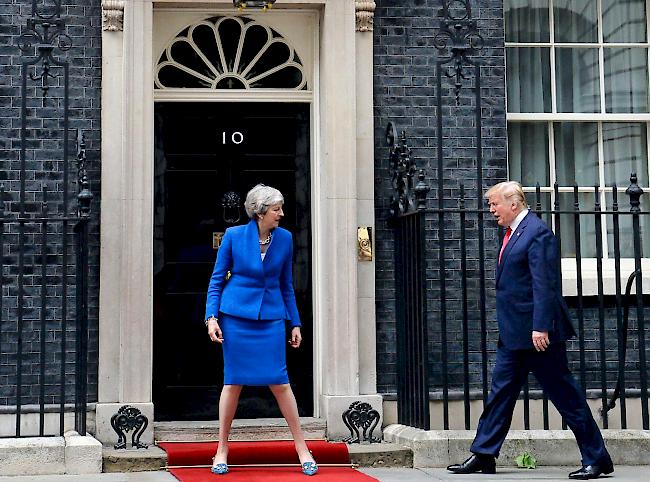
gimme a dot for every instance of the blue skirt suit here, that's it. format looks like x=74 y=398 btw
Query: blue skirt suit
x=253 y=305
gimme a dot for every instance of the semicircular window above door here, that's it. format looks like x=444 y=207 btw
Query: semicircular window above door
x=230 y=53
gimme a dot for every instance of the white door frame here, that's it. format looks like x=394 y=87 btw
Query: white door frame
x=341 y=372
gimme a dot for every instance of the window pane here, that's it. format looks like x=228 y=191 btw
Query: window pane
x=575 y=20
x=624 y=21
x=528 y=153
x=626 y=80
x=576 y=153
x=577 y=80
x=625 y=150
x=626 y=231
x=529 y=79
x=526 y=20
x=587 y=233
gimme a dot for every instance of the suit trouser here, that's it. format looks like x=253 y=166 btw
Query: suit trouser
x=550 y=367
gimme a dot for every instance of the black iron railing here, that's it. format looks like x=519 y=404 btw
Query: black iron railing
x=450 y=253
x=410 y=282
x=460 y=249
x=37 y=228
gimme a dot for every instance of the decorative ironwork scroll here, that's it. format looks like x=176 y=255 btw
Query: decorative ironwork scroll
x=361 y=420
x=458 y=40
x=84 y=197
x=459 y=33
x=47 y=74
x=45 y=32
x=402 y=168
x=126 y=419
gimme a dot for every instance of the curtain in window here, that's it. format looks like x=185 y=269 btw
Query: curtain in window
x=625 y=150
x=528 y=153
x=575 y=20
x=526 y=20
x=577 y=80
x=576 y=153
x=626 y=80
x=624 y=21
x=528 y=79
x=586 y=201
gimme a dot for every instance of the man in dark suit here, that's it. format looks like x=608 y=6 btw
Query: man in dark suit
x=534 y=325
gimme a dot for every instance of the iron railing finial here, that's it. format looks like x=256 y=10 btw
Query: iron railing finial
x=421 y=190
x=635 y=192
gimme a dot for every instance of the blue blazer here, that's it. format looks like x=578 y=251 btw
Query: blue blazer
x=257 y=290
x=527 y=287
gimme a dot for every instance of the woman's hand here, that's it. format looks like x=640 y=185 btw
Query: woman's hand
x=214 y=332
x=296 y=337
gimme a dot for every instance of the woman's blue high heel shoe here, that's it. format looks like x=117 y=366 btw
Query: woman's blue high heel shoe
x=219 y=469
x=309 y=468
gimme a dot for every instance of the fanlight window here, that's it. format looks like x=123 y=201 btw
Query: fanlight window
x=230 y=53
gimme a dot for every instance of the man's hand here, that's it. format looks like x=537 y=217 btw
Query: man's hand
x=540 y=340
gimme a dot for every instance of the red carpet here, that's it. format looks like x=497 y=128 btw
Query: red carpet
x=263 y=452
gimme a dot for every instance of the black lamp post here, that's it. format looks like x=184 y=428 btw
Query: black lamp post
x=262 y=4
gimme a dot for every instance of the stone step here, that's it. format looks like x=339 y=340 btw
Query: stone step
x=134 y=460
x=242 y=429
x=382 y=454
x=364 y=455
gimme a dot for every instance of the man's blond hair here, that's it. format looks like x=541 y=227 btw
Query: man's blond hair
x=509 y=190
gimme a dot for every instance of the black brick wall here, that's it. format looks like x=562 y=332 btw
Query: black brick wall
x=44 y=168
x=405 y=93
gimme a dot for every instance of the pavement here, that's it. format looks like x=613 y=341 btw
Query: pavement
x=627 y=473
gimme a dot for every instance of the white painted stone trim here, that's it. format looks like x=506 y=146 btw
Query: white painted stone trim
x=70 y=454
x=439 y=448
x=342 y=170
x=112 y=15
x=83 y=454
x=126 y=272
x=365 y=15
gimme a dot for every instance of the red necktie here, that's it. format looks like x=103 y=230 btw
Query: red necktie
x=505 y=242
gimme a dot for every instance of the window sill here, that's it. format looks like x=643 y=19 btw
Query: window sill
x=590 y=276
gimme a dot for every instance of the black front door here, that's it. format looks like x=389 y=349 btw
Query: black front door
x=204 y=154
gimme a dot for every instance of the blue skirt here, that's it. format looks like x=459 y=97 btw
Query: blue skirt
x=254 y=351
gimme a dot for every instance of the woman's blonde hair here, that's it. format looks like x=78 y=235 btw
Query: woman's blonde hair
x=260 y=199
x=509 y=189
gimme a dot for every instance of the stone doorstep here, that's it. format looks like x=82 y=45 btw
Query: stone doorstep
x=141 y=460
x=437 y=448
x=70 y=454
x=153 y=458
x=383 y=454
x=242 y=429
x=365 y=455
x=133 y=460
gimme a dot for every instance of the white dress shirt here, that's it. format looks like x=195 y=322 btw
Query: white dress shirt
x=520 y=217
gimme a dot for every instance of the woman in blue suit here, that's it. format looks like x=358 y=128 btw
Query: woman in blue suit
x=247 y=312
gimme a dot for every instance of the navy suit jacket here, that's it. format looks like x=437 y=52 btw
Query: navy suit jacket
x=527 y=287
x=257 y=290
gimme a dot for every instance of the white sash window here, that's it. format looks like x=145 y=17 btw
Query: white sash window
x=578 y=108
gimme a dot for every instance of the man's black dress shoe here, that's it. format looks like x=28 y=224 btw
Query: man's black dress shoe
x=476 y=463
x=592 y=471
